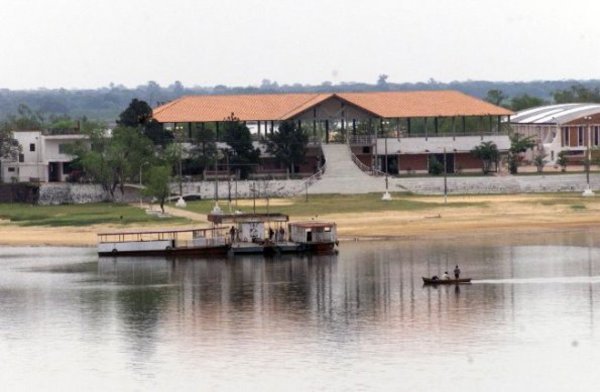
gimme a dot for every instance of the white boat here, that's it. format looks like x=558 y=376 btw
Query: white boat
x=209 y=241
x=314 y=236
x=271 y=233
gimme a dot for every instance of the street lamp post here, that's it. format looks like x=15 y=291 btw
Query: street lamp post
x=228 y=181
x=386 y=196
x=445 y=178
x=588 y=158
x=216 y=208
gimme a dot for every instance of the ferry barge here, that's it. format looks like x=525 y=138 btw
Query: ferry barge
x=188 y=242
x=273 y=234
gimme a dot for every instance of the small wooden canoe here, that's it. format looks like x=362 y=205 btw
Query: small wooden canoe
x=446 y=281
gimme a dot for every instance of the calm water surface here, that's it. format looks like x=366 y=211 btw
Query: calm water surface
x=360 y=320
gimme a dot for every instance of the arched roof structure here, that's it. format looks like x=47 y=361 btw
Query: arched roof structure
x=555 y=114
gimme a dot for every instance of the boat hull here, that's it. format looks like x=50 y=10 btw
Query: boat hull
x=446 y=281
x=220 y=250
x=283 y=247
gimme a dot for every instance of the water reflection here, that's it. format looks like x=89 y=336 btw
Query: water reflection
x=361 y=318
x=371 y=282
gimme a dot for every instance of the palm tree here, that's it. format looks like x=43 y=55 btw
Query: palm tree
x=518 y=145
x=488 y=153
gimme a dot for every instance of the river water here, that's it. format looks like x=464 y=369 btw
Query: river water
x=361 y=320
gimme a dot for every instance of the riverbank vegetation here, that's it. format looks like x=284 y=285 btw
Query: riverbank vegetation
x=80 y=215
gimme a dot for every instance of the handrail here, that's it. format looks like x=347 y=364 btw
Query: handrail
x=405 y=135
x=312 y=179
x=361 y=139
x=369 y=170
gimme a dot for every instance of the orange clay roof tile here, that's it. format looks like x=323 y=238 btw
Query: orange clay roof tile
x=203 y=108
x=423 y=104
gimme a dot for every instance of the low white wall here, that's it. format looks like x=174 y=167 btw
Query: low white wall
x=62 y=193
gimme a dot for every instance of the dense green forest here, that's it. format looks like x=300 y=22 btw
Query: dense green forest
x=107 y=102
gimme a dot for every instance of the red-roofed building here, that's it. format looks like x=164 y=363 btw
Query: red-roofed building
x=386 y=131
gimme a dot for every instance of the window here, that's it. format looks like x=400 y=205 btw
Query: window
x=565 y=132
x=32 y=147
x=11 y=169
x=366 y=150
x=580 y=136
x=596 y=135
x=21 y=158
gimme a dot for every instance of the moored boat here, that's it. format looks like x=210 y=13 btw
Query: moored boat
x=314 y=236
x=209 y=241
x=267 y=234
x=446 y=281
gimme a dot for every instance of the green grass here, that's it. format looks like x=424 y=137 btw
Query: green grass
x=332 y=204
x=78 y=215
x=578 y=207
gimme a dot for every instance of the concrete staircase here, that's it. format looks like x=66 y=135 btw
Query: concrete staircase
x=343 y=176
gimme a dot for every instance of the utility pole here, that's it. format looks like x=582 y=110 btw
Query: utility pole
x=445 y=178
x=386 y=196
x=588 y=158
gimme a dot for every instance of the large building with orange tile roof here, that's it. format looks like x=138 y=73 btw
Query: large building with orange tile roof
x=393 y=132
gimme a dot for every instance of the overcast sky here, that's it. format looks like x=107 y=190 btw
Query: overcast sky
x=84 y=43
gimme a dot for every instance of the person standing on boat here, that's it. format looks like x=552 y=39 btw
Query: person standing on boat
x=281 y=234
x=232 y=233
x=446 y=276
x=271 y=233
x=456 y=272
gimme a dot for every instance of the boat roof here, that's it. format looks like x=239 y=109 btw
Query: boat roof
x=247 y=217
x=160 y=231
x=312 y=224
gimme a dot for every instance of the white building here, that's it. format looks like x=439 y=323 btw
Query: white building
x=572 y=128
x=43 y=157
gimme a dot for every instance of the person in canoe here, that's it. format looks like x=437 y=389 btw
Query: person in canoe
x=446 y=276
x=456 y=272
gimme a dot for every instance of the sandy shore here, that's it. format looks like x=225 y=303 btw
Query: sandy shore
x=496 y=214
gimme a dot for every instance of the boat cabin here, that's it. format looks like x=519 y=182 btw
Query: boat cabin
x=309 y=232
x=255 y=228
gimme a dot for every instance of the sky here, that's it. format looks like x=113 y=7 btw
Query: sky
x=90 y=44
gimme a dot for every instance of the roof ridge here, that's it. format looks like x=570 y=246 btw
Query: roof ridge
x=167 y=105
x=287 y=114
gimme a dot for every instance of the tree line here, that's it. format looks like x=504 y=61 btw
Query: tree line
x=106 y=103
x=576 y=93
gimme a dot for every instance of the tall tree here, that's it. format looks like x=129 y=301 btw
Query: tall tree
x=496 y=97
x=525 y=101
x=488 y=153
x=245 y=157
x=288 y=144
x=139 y=115
x=577 y=93
x=518 y=145
x=112 y=160
x=157 y=184
x=25 y=119
x=9 y=147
